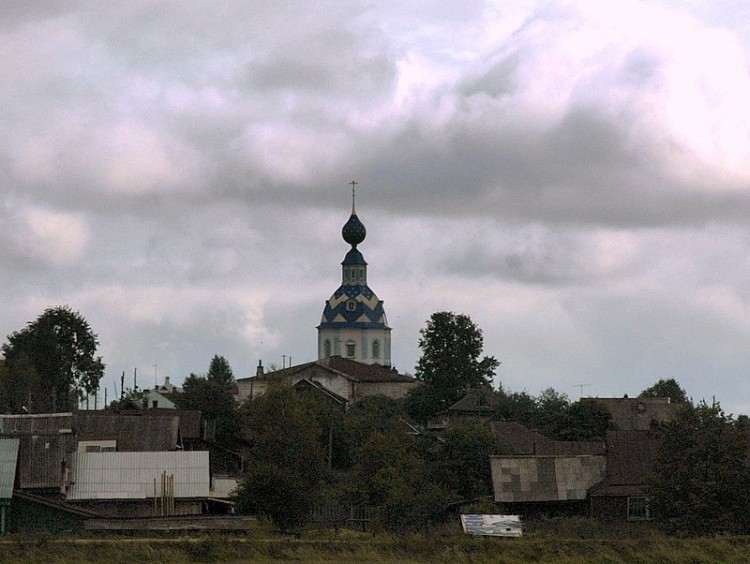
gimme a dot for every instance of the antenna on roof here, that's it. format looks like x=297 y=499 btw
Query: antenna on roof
x=580 y=387
x=354 y=184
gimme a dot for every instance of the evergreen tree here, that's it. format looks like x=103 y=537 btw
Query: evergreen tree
x=213 y=396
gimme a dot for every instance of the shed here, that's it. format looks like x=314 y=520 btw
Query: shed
x=131 y=484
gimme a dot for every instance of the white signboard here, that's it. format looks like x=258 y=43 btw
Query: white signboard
x=492 y=525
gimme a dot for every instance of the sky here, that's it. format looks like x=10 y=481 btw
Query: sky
x=573 y=175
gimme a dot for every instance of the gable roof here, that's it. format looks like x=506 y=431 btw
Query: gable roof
x=306 y=385
x=362 y=372
x=544 y=478
x=477 y=400
x=132 y=432
x=522 y=440
x=344 y=367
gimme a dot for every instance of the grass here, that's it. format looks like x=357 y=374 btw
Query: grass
x=263 y=545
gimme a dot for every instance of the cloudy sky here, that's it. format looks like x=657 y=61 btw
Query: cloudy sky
x=575 y=176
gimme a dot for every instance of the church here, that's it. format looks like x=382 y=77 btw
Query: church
x=353 y=324
x=354 y=339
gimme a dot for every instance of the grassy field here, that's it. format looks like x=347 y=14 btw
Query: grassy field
x=350 y=546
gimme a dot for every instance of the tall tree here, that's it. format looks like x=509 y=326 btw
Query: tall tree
x=213 y=396
x=51 y=362
x=451 y=359
x=700 y=481
x=221 y=373
x=666 y=389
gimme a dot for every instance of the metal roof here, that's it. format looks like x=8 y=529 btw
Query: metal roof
x=131 y=475
x=8 y=460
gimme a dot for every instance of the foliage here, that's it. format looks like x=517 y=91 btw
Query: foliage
x=521 y=407
x=701 y=479
x=220 y=373
x=451 y=362
x=285 y=448
x=390 y=473
x=585 y=420
x=666 y=389
x=463 y=460
x=364 y=418
x=213 y=396
x=551 y=407
x=50 y=363
x=275 y=491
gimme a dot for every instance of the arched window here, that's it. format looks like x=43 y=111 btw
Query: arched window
x=376 y=349
x=327 y=348
x=351 y=349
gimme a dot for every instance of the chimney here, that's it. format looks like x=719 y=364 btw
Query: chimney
x=259 y=371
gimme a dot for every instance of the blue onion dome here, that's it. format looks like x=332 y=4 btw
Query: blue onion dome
x=354 y=231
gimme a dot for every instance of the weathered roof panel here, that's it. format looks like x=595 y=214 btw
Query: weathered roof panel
x=545 y=478
x=133 y=433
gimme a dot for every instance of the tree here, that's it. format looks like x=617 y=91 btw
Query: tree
x=285 y=459
x=213 y=396
x=221 y=373
x=390 y=475
x=666 y=389
x=585 y=420
x=451 y=360
x=369 y=415
x=700 y=479
x=51 y=363
x=463 y=460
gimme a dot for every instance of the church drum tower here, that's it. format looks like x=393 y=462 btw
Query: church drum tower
x=353 y=324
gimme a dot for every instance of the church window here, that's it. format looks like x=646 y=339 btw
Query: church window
x=376 y=349
x=327 y=348
x=351 y=349
x=351 y=305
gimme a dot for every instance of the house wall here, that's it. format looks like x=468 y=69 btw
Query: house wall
x=609 y=508
x=395 y=390
x=254 y=387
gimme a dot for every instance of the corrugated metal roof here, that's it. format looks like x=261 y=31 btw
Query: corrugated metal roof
x=131 y=475
x=8 y=460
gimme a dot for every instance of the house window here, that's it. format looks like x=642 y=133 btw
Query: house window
x=351 y=349
x=376 y=349
x=639 y=508
x=327 y=348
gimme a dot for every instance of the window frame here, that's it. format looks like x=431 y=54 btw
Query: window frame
x=639 y=508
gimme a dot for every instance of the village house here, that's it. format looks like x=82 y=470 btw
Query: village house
x=348 y=379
